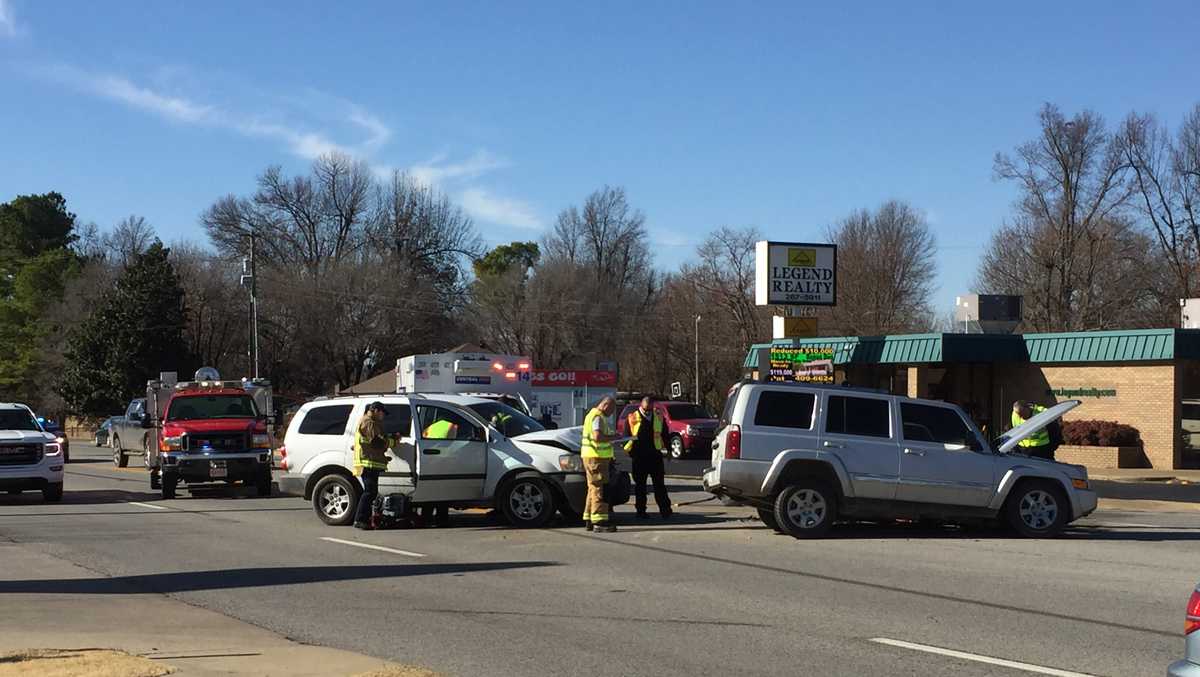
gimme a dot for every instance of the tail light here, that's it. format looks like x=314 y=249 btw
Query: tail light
x=283 y=463
x=1192 y=623
x=733 y=442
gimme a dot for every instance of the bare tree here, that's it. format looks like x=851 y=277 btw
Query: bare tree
x=1072 y=182
x=886 y=271
x=218 y=316
x=130 y=238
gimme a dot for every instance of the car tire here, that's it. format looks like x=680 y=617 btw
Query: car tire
x=169 y=481
x=335 y=499
x=120 y=459
x=767 y=517
x=1037 y=509
x=806 y=509
x=675 y=448
x=262 y=483
x=527 y=502
x=53 y=493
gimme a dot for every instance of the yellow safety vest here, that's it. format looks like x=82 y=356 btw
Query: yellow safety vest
x=438 y=430
x=361 y=462
x=590 y=447
x=1038 y=439
x=635 y=424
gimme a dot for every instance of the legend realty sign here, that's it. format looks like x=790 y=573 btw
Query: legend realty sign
x=795 y=274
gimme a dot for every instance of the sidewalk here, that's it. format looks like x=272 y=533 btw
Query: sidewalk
x=194 y=642
x=1145 y=475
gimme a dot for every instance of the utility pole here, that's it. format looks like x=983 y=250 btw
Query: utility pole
x=697 y=360
x=250 y=278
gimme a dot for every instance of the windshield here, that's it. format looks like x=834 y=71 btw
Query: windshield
x=683 y=412
x=196 y=407
x=17 y=419
x=515 y=424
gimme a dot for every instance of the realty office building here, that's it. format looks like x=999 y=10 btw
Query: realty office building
x=1141 y=378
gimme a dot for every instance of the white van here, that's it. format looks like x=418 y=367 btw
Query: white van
x=497 y=457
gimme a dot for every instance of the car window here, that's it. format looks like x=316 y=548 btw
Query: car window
x=684 y=412
x=198 y=407
x=1191 y=412
x=506 y=419
x=397 y=419
x=326 y=420
x=782 y=409
x=866 y=417
x=436 y=423
x=17 y=419
x=923 y=423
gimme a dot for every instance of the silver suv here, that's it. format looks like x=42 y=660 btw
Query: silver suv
x=808 y=456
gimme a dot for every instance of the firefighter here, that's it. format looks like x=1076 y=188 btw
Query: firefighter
x=646 y=447
x=441 y=429
x=370 y=459
x=597 y=453
x=1038 y=444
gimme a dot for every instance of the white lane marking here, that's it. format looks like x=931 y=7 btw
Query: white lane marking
x=372 y=547
x=149 y=505
x=1027 y=667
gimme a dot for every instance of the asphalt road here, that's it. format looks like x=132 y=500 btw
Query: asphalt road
x=712 y=592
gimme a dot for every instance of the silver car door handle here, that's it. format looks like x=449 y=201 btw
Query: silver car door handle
x=834 y=445
x=914 y=452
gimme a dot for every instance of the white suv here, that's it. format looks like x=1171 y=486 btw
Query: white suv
x=30 y=458
x=497 y=457
x=808 y=456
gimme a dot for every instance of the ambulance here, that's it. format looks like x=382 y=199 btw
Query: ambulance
x=504 y=378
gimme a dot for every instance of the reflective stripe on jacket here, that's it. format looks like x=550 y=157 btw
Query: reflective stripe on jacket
x=591 y=448
x=635 y=424
x=363 y=459
x=1039 y=439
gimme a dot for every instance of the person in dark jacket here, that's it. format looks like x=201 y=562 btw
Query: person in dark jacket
x=646 y=426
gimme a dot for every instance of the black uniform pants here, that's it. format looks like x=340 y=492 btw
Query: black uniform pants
x=649 y=464
x=366 y=502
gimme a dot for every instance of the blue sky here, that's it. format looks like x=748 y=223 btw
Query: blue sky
x=784 y=116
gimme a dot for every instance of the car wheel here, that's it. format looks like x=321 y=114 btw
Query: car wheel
x=527 y=502
x=806 y=509
x=262 y=483
x=676 y=448
x=1037 y=509
x=169 y=481
x=119 y=458
x=335 y=498
x=53 y=493
x=767 y=517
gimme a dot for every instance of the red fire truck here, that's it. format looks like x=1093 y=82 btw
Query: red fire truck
x=208 y=431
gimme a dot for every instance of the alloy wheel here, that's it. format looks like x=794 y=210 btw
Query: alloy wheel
x=807 y=508
x=526 y=500
x=1038 y=509
x=335 y=501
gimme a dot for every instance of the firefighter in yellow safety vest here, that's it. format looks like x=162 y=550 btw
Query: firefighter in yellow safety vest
x=1038 y=444
x=646 y=448
x=597 y=454
x=371 y=445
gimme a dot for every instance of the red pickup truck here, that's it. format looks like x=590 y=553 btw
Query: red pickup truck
x=689 y=430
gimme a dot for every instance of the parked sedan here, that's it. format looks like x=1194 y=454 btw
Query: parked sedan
x=1190 y=665
x=102 y=433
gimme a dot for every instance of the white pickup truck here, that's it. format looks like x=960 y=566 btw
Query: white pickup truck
x=495 y=457
x=30 y=458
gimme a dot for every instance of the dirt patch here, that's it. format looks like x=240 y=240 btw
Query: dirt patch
x=75 y=662
x=400 y=671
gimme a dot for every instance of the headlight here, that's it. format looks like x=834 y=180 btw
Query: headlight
x=52 y=449
x=260 y=441
x=570 y=463
x=173 y=443
x=60 y=440
x=690 y=430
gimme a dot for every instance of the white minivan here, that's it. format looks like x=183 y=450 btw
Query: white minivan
x=494 y=457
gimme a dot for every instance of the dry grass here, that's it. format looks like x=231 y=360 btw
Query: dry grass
x=78 y=662
x=400 y=671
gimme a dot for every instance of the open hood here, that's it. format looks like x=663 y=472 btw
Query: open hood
x=566 y=438
x=1009 y=440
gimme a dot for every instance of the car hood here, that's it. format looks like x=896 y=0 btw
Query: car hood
x=1009 y=440
x=25 y=436
x=568 y=439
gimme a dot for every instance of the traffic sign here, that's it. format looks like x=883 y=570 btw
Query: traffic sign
x=676 y=390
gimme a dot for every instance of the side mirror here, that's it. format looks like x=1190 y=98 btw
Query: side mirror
x=145 y=420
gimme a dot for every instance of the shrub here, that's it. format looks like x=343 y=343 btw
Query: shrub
x=1100 y=434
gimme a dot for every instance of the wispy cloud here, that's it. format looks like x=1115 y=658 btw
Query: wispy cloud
x=9 y=28
x=671 y=238
x=485 y=206
x=437 y=170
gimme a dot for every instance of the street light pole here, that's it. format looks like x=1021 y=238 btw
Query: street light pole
x=697 y=385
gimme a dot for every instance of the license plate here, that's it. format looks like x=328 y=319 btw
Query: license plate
x=217 y=469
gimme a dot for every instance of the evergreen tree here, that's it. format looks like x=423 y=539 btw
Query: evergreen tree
x=135 y=332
